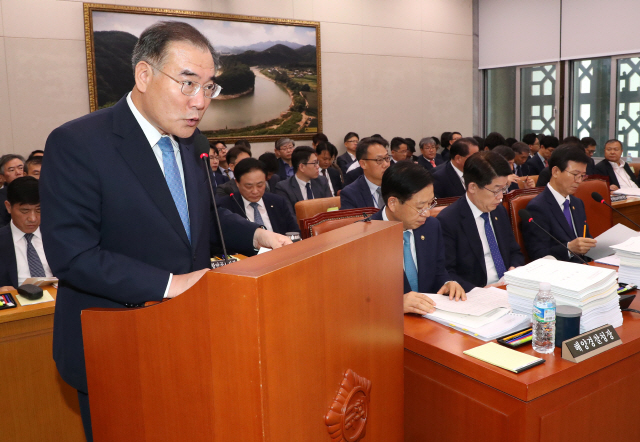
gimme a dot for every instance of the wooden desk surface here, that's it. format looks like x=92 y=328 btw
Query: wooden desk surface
x=29 y=311
x=445 y=345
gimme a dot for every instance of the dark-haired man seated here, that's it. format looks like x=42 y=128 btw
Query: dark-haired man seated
x=11 y=167
x=447 y=177
x=541 y=159
x=234 y=156
x=253 y=203
x=365 y=190
x=559 y=212
x=21 y=251
x=479 y=243
x=407 y=191
x=326 y=152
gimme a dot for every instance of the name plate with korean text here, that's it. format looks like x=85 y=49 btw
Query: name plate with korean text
x=590 y=344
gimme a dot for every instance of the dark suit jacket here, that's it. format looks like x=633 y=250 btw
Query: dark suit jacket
x=544 y=177
x=280 y=216
x=591 y=167
x=432 y=273
x=8 y=265
x=218 y=179
x=344 y=161
x=445 y=154
x=524 y=170
x=356 y=195
x=427 y=165
x=290 y=190
x=446 y=182
x=350 y=177
x=227 y=189
x=544 y=210
x=336 y=180
x=463 y=247
x=282 y=172
x=605 y=168
x=5 y=218
x=535 y=165
x=125 y=236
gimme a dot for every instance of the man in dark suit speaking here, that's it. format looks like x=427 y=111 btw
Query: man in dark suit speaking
x=126 y=210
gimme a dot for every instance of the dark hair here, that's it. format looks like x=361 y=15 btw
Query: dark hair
x=482 y=167
x=247 y=165
x=510 y=141
x=243 y=143
x=445 y=137
x=214 y=148
x=152 y=44
x=529 y=139
x=549 y=141
x=301 y=154
x=494 y=139
x=565 y=153
x=480 y=141
x=521 y=148
x=411 y=144
x=613 y=140
x=35 y=161
x=363 y=146
x=376 y=136
x=214 y=142
x=317 y=138
x=571 y=140
x=36 y=153
x=9 y=157
x=233 y=153
x=437 y=140
x=325 y=145
x=588 y=141
x=404 y=180
x=270 y=162
x=460 y=147
x=396 y=142
x=351 y=135
x=505 y=151
x=23 y=190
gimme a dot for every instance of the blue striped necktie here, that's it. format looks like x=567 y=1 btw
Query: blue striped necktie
x=35 y=265
x=172 y=175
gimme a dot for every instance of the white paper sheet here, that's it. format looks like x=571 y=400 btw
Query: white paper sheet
x=615 y=235
x=479 y=301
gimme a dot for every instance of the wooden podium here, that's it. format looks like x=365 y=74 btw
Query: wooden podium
x=303 y=343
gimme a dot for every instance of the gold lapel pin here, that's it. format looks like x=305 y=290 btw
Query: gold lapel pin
x=496 y=218
x=573 y=208
x=272 y=207
x=422 y=237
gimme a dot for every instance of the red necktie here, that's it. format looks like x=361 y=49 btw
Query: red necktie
x=546 y=164
x=433 y=163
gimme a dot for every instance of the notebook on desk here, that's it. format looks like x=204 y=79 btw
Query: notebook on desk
x=503 y=357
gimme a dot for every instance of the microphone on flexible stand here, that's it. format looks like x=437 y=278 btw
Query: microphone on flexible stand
x=525 y=215
x=596 y=196
x=366 y=219
x=238 y=204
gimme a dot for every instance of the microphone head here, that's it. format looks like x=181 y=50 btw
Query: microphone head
x=204 y=155
x=596 y=196
x=231 y=194
x=524 y=214
x=201 y=145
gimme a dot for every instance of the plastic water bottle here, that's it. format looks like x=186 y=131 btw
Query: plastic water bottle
x=629 y=158
x=544 y=320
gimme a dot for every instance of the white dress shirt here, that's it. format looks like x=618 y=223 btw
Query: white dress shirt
x=412 y=241
x=20 y=246
x=460 y=175
x=303 y=187
x=621 y=174
x=492 y=273
x=373 y=189
x=153 y=136
x=328 y=177
x=261 y=209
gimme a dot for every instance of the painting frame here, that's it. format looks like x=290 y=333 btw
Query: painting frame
x=92 y=74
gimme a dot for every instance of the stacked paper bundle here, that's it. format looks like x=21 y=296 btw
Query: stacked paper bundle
x=593 y=289
x=629 y=254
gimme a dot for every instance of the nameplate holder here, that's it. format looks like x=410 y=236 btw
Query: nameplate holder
x=590 y=344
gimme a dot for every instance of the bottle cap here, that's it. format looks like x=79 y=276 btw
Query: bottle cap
x=545 y=286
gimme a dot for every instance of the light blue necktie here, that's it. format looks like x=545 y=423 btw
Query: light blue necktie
x=257 y=218
x=172 y=175
x=410 y=266
x=493 y=246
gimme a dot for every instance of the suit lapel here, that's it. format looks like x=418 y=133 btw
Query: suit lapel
x=470 y=228
x=11 y=260
x=558 y=213
x=579 y=218
x=500 y=230
x=295 y=188
x=455 y=180
x=365 y=192
x=273 y=215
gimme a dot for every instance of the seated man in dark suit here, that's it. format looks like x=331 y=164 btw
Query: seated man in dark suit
x=272 y=166
x=11 y=167
x=217 y=177
x=521 y=151
x=558 y=212
x=365 y=191
x=533 y=142
x=223 y=167
x=324 y=151
x=284 y=149
x=353 y=175
x=349 y=157
x=430 y=157
x=540 y=160
x=21 y=251
x=619 y=172
x=305 y=184
x=399 y=150
x=509 y=155
x=407 y=191
x=253 y=203
x=447 y=142
x=447 y=178
x=479 y=243
x=590 y=145
x=545 y=175
x=234 y=156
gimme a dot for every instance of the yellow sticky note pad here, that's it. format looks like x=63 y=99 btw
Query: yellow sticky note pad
x=504 y=357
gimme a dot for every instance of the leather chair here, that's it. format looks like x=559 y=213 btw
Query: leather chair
x=309 y=208
x=327 y=221
x=599 y=216
x=516 y=201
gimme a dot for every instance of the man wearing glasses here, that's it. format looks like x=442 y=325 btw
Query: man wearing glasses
x=479 y=243
x=365 y=190
x=558 y=211
x=305 y=184
x=448 y=181
x=284 y=149
x=407 y=191
x=430 y=157
x=126 y=209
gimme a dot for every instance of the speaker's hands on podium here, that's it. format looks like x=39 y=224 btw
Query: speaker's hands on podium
x=580 y=246
x=182 y=283
x=269 y=240
x=454 y=290
x=419 y=303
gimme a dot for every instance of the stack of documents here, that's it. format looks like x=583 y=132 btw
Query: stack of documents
x=485 y=314
x=629 y=254
x=593 y=289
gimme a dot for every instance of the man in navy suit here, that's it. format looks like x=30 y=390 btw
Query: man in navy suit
x=618 y=170
x=254 y=203
x=430 y=157
x=11 y=167
x=479 y=243
x=509 y=155
x=541 y=159
x=447 y=178
x=284 y=149
x=126 y=209
x=305 y=184
x=558 y=212
x=590 y=145
x=365 y=190
x=349 y=157
x=407 y=191
x=217 y=177
x=234 y=156
x=399 y=150
x=521 y=151
x=325 y=151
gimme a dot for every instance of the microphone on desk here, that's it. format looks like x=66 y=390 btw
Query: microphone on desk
x=525 y=215
x=201 y=145
x=596 y=196
x=366 y=219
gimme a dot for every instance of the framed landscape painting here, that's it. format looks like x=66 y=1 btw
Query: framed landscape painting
x=270 y=69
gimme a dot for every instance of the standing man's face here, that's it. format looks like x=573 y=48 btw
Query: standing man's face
x=161 y=99
x=13 y=169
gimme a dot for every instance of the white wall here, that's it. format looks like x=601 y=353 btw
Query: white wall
x=396 y=67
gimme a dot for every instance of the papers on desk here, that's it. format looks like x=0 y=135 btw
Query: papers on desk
x=613 y=260
x=479 y=301
x=41 y=281
x=611 y=237
x=630 y=191
x=629 y=254
x=593 y=289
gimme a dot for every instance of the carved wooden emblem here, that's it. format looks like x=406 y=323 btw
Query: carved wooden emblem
x=347 y=417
